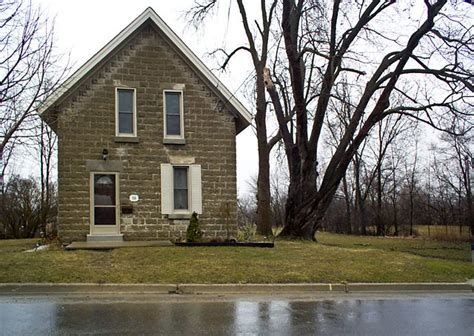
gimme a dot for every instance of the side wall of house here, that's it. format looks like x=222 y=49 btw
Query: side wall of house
x=86 y=126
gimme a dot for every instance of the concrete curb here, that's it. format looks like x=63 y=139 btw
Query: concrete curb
x=402 y=287
x=259 y=288
x=269 y=289
x=90 y=288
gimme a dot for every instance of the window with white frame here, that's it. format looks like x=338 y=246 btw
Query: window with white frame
x=173 y=114
x=181 y=189
x=126 y=115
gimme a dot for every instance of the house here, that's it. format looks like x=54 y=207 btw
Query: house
x=146 y=136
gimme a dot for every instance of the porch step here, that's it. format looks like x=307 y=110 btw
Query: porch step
x=105 y=238
x=108 y=245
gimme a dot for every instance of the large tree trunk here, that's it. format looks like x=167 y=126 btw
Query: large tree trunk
x=301 y=189
x=264 y=224
x=307 y=214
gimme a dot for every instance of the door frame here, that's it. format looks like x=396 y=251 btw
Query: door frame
x=98 y=230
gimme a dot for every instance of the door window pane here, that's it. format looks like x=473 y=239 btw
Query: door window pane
x=173 y=113
x=104 y=189
x=104 y=215
x=125 y=111
x=180 y=180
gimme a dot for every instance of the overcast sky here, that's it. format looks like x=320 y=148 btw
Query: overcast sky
x=83 y=27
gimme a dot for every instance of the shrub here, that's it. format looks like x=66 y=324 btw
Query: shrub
x=193 y=233
x=247 y=232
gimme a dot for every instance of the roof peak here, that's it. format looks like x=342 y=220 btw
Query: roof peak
x=243 y=115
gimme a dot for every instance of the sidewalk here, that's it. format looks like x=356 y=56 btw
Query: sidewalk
x=270 y=289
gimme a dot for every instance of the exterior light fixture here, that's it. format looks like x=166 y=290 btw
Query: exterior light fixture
x=105 y=154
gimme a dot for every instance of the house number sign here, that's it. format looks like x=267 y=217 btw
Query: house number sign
x=134 y=198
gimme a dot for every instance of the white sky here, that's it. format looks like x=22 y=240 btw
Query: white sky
x=83 y=27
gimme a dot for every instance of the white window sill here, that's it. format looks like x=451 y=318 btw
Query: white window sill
x=124 y=138
x=171 y=141
x=180 y=216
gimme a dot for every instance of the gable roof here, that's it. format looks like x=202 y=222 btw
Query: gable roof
x=243 y=116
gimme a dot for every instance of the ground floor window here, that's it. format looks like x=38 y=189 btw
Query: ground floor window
x=181 y=189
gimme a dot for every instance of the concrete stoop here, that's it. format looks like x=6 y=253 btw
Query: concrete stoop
x=108 y=245
x=268 y=289
x=105 y=238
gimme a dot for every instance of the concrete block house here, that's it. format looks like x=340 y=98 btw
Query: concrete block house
x=146 y=136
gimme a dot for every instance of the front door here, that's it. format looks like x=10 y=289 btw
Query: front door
x=105 y=215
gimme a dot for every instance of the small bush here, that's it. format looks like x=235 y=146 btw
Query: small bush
x=193 y=233
x=247 y=232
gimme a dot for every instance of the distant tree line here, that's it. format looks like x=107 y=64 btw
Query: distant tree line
x=394 y=184
x=410 y=188
x=24 y=214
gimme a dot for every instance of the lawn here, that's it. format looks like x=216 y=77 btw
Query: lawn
x=336 y=258
x=452 y=232
x=449 y=250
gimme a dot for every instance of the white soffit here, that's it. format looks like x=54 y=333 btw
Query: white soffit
x=149 y=13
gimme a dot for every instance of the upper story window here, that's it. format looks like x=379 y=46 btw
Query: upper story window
x=173 y=114
x=126 y=114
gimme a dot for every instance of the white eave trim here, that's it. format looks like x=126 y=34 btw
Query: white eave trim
x=149 y=13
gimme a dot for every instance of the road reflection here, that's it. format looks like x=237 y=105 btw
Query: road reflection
x=114 y=316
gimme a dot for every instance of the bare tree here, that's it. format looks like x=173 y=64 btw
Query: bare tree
x=20 y=208
x=29 y=70
x=369 y=177
x=321 y=44
x=257 y=46
x=396 y=161
x=47 y=143
x=411 y=185
x=455 y=174
x=334 y=50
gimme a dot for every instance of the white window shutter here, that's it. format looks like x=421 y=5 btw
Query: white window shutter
x=196 y=188
x=166 y=189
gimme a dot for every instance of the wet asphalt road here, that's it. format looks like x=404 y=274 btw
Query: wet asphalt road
x=443 y=314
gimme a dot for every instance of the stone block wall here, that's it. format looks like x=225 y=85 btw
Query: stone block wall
x=86 y=126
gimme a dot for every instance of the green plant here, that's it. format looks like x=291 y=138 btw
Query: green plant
x=247 y=232
x=194 y=232
x=275 y=232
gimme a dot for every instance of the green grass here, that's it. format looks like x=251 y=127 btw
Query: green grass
x=449 y=250
x=336 y=258
x=441 y=232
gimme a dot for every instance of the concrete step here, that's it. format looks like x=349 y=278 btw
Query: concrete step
x=105 y=238
x=108 y=245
